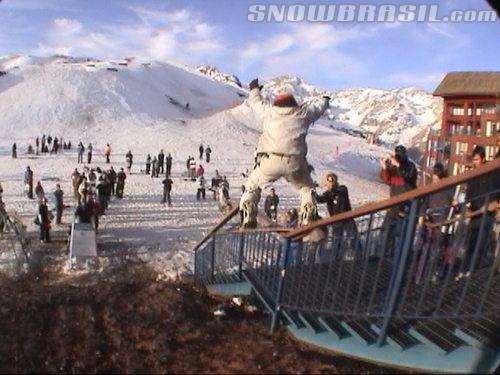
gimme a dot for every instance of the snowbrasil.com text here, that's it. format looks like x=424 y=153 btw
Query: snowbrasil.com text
x=365 y=13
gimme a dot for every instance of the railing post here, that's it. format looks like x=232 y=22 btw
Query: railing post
x=281 y=285
x=400 y=270
x=241 y=247
x=212 y=260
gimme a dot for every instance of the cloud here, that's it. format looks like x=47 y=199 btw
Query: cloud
x=179 y=35
x=304 y=50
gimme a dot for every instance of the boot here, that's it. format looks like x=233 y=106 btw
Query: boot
x=248 y=216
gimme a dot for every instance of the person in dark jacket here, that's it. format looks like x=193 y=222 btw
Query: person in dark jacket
x=58 y=195
x=28 y=181
x=337 y=201
x=201 y=149
x=89 y=153
x=400 y=173
x=161 y=162
x=44 y=221
x=167 y=188
x=112 y=180
x=208 y=152
x=271 y=205
x=168 y=164
x=480 y=196
x=130 y=159
x=148 y=164
x=154 y=167
x=14 y=151
x=120 y=183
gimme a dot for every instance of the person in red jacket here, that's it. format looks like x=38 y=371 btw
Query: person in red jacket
x=400 y=173
x=200 y=171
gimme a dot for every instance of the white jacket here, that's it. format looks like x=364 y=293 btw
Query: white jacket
x=284 y=129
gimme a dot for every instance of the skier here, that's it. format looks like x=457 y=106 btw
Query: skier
x=167 y=188
x=281 y=151
x=14 y=151
x=168 y=164
x=28 y=182
x=81 y=150
x=89 y=153
x=120 y=183
x=201 y=149
x=208 y=152
x=154 y=166
x=161 y=160
x=271 y=205
x=130 y=158
x=107 y=152
x=200 y=182
x=58 y=195
x=44 y=221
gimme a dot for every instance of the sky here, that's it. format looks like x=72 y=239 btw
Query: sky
x=329 y=55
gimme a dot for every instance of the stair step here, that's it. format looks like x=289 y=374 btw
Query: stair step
x=333 y=326
x=293 y=319
x=480 y=332
x=311 y=322
x=397 y=337
x=436 y=337
x=361 y=330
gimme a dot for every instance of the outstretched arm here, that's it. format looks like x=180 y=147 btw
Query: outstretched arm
x=255 y=99
x=317 y=107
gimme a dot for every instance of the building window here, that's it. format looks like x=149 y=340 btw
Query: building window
x=457 y=110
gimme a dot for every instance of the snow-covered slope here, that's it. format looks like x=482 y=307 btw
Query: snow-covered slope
x=392 y=116
x=82 y=96
x=216 y=74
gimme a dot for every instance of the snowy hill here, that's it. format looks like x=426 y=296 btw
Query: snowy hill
x=83 y=96
x=392 y=116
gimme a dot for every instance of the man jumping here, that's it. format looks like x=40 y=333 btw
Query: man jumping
x=281 y=151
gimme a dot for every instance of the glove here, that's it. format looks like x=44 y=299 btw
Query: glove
x=254 y=84
x=327 y=97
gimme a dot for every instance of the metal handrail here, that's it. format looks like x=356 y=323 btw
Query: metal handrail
x=421 y=192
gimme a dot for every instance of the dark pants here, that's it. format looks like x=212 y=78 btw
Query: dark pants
x=160 y=168
x=169 y=169
x=59 y=212
x=107 y=158
x=166 y=197
x=148 y=168
x=30 y=191
x=113 y=188
x=483 y=246
x=80 y=157
x=45 y=232
x=201 y=191
x=89 y=158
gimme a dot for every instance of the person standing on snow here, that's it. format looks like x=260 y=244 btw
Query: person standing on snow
x=168 y=164
x=130 y=158
x=107 y=152
x=112 y=180
x=75 y=182
x=44 y=221
x=208 y=152
x=192 y=169
x=81 y=150
x=148 y=164
x=200 y=182
x=28 y=182
x=281 y=151
x=201 y=149
x=14 y=151
x=58 y=195
x=154 y=165
x=271 y=205
x=120 y=183
x=161 y=161
x=89 y=153
x=200 y=171
x=39 y=192
x=37 y=143
x=167 y=188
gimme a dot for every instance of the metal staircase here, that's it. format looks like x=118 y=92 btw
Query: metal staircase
x=381 y=286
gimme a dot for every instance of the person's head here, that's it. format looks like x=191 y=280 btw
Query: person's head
x=478 y=156
x=331 y=180
x=285 y=100
x=58 y=187
x=400 y=153
x=438 y=172
x=200 y=166
x=272 y=191
x=44 y=200
x=121 y=169
x=112 y=168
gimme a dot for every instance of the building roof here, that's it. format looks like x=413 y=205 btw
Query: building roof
x=469 y=83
